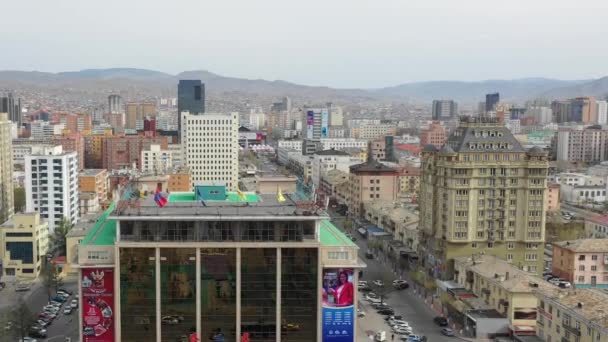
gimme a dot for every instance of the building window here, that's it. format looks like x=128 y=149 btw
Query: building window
x=510 y=245
x=594 y=268
x=581 y=257
x=337 y=255
x=594 y=257
x=581 y=267
x=509 y=257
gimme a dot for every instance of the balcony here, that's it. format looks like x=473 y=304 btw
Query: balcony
x=571 y=329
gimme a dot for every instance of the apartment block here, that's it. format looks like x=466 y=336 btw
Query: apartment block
x=23 y=245
x=136 y=113
x=482 y=193
x=95 y=181
x=6 y=169
x=73 y=142
x=124 y=152
x=156 y=160
x=371 y=181
x=51 y=186
x=588 y=144
x=572 y=315
x=210 y=147
x=584 y=262
x=433 y=135
x=371 y=132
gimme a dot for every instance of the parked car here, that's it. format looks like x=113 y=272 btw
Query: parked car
x=65 y=290
x=392 y=317
x=369 y=255
x=67 y=310
x=447 y=332
x=59 y=299
x=40 y=333
x=386 y=312
x=394 y=322
x=378 y=282
x=564 y=284
x=360 y=313
x=400 y=284
x=22 y=288
x=74 y=304
x=441 y=321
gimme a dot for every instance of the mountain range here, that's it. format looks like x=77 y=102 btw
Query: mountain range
x=165 y=84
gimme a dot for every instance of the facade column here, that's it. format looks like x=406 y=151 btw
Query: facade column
x=158 y=312
x=278 y=296
x=238 y=294
x=198 y=293
x=319 y=291
x=117 y=288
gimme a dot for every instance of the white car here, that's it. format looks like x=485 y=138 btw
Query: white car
x=403 y=330
x=394 y=322
x=360 y=313
x=67 y=310
x=378 y=282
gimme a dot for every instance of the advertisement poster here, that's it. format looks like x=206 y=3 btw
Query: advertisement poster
x=310 y=124
x=338 y=305
x=98 y=304
x=324 y=123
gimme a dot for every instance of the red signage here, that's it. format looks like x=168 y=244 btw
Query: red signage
x=97 y=304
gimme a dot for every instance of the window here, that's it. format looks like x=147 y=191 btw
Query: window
x=581 y=257
x=510 y=245
x=98 y=255
x=509 y=257
x=594 y=268
x=594 y=257
x=337 y=255
x=581 y=267
x=490 y=244
x=474 y=245
x=581 y=279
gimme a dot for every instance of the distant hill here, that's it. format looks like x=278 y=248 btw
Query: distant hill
x=156 y=82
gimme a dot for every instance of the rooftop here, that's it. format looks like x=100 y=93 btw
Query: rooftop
x=331 y=236
x=473 y=136
x=184 y=205
x=331 y=152
x=593 y=303
x=585 y=245
x=488 y=313
x=371 y=166
x=505 y=274
x=91 y=172
x=103 y=231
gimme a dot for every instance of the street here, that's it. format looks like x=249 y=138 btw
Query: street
x=405 y=303
x=36 y=298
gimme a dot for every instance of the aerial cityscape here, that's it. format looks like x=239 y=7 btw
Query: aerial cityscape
x=397 y=175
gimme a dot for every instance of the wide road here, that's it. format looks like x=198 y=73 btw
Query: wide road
x=405 y=303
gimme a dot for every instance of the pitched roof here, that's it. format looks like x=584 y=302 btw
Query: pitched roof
x=371 y=166
x=483 y=137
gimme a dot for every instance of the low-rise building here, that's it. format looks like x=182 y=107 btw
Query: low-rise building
x=583 y=262
x=572 y=315
x=400 y=222
x=596 y=227
x=88 y=202
x=552 y=200
x=179 y=180
x=95 y=181
x=335 y=184
x=23 y=245
x=270 y=185
x=501 y=286
x=409 y=179
x=369 y=182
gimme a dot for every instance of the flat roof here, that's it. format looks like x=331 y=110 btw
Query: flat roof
x=184 y=206
x=103 y=231
x=485 y=313
x=91 y=172
x=331 y=236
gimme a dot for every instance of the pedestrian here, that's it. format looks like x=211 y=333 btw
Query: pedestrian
x=392 y=337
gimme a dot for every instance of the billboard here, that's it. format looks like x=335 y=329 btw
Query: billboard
x=338 y=294
x=97 y=304
x=310 y=124
x=324 y=123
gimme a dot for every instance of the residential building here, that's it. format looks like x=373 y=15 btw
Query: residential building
x=552 y=201
x=72 y=142
x=219 y=258
x=88 y=203
x=25 y=147
x=482 y=193
x=23 y=245
x=602 y=112
x=210 y=148
x=580 y=109
x=326 y=160
x=45 y=129
x=257 y=121
x=371 y=181
x=156 y=160
x=434 y=135
x=179 y=180
x=301 y=166
x=588 y=144
x=315 y=127
x=583 y=194
x=401 y=223
x=272 y=184
x=283 y=106
x=12 y=107
x=115 y=104
x=372 y=132
x=409 y=180
x=327 y=144
x=137 y=112
x=94 y=181
x=596 y=227
x=73 y=123
x=572 y=315
x=51 y=186
x=581 y=262
x=93 y=149
x=335 y=184
x=502 y=286
x=117 y=122
x=6 y=169
x=491 y=101
x=124 y=152
x=190 y=98
x=444 y=109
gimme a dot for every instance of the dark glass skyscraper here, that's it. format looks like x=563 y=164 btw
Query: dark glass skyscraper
x=491 y=101
x=190 y=98
x=12 y=106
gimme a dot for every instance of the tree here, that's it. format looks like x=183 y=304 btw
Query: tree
x=348 y=225
x=22 y=319
x=51 y=278
x=59 y=236
x=19 y=199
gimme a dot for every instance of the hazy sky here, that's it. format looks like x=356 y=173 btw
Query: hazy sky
x=342 y=43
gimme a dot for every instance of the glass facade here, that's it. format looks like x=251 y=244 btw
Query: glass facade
x=218 y=294
x=258 y=293
x=299 y=294
x=138 y=294
x=177 y=293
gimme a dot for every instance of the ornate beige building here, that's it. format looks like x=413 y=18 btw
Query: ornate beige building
x=482 y=193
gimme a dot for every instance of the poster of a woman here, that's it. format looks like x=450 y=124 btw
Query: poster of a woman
x=338 y=289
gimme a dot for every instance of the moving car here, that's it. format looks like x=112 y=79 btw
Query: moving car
x=378 y=282
x=447 y=332
x=441 y=321
x=74 y=304
x=169 y=320
x=400 y=284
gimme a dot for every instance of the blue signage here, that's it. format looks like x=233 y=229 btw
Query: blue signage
x=338 y=323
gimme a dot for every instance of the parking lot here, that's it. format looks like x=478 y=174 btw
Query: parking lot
x=64 y=325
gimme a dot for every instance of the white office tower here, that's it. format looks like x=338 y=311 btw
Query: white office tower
x=602 y=112
x=210 y=146
x=51 y=185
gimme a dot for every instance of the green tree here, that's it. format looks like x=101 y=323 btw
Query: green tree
x=19 y=199
x=51 y=278
x=58 y=238
x=348 y=225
